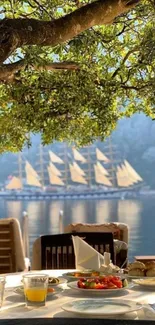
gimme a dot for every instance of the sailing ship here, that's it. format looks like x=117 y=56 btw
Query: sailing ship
x=88 y=170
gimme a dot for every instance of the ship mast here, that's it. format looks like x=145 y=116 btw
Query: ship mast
x=113 y=169
x=20 y=167
x=41 y=165
x=87 y=159
x=66 y=164
x=89 y=167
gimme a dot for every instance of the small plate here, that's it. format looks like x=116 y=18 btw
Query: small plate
x=147 y=283
x=99 y=307
x=61 y=281
x=20 y=291
x=71 y=277
x=138 y=277
x=73 y=285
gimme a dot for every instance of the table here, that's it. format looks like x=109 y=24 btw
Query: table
x=69 y=321
x=53 y=310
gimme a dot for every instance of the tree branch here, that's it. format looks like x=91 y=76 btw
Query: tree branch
x=135 y=49
x=126 y=87
x=16 y=33
x=8 y=71
x=42 y=8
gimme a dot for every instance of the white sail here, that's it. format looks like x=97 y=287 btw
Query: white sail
x=54 y=169
x=132 y=171
x=54 y=179
x=102 y=169
x=78 y=156
x=101 y=177
x=14 y=184
x=122 y=178
x=79 y=169
x=54 y=158
x=101 y=156
x=75 y=176
x=32 y=178
x=132 y=179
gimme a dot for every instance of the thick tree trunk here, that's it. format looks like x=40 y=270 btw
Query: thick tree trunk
x=15 y=33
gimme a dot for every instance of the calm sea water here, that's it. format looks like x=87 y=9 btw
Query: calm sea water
x=44 y=218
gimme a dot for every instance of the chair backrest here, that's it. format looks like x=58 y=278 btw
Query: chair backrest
x=119 y=230
x=57 y=251
x=11 y=249
x=7 y=252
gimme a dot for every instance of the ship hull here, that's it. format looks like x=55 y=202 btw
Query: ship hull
x=118 y=194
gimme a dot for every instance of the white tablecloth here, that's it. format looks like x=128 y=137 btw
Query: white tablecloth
x=14 y=306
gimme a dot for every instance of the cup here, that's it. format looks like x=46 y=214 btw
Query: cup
x=2 y=287
x=35 y=289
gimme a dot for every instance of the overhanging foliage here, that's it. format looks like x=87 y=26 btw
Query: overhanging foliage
x=76 y=85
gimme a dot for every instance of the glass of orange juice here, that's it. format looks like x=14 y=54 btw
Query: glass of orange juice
x=35 y=289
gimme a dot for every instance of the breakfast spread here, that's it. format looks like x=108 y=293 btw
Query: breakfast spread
x=103 y=282
x=140 y=269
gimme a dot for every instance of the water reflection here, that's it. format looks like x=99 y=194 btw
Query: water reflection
x=106 y=211
x=36 y=213
x=53 y=220
x=14 y=209
x=79 y=212
x=129 y=212
x=44 y=217
x=103 y=211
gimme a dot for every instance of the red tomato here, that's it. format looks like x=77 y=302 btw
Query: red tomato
x=111 y=285
x=89 y=280
x=103 y=282
x=101 y=286
x=117 y=282
x=50 y=289
x=103 y=279
x=81 y=284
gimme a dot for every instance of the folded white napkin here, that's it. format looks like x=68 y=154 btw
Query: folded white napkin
x=86 y=257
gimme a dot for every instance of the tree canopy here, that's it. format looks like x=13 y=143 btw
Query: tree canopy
x=69 y=69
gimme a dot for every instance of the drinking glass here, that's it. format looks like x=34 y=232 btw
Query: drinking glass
x=2 y=286
x=35 y=289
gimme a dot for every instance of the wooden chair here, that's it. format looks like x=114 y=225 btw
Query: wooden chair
x=11 y=248
x=57 y=251
x=120 y=233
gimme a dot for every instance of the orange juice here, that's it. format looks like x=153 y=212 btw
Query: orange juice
x=35 y=294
